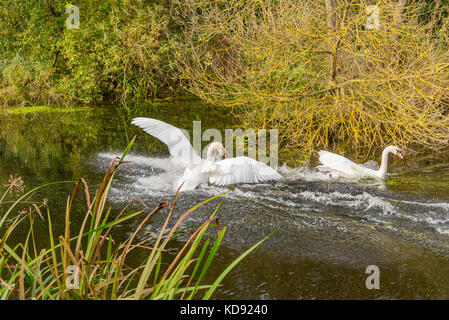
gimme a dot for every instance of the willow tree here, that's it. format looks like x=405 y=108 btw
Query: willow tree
x=353 y=75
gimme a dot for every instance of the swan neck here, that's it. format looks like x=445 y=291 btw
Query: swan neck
x=210 y=154
x=383 y=165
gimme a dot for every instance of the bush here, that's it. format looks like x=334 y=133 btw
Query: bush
x=120 y=52
x=319 y=74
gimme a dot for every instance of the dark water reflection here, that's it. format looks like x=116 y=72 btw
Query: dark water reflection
x=327 y=231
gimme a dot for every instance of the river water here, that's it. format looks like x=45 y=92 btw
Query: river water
x=327 y=230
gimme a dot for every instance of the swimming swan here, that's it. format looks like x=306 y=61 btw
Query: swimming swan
x=213 y=170
x=346 y=167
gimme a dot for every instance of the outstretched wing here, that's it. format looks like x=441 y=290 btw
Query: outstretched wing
x=179 y=146
x=242 y=170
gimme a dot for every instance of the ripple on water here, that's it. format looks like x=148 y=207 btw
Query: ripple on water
x=304 y=192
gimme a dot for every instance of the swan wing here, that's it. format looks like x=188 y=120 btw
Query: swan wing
x=339 y=163
x=242 y=170
x=179 y=146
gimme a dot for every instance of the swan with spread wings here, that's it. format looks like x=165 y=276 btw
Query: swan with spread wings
x=216 y=169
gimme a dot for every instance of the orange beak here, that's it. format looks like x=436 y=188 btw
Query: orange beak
x=399 y=154
x=224 y=156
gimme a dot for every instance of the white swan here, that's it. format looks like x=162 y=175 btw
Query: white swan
x=345 y=167
x=199 y=171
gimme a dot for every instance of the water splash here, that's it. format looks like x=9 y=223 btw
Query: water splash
x=303 y=189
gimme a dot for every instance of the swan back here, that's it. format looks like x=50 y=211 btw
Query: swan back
x=337 y=162
x=242 y=170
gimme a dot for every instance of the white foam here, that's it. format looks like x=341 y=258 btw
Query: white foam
x=306 y=174
x=442 y=205
x=157 y=177
x=143 y=161
x=265 y=197
x=363 y=201
x=145 y=176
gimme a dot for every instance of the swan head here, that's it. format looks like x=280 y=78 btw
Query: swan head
x=395 y=150
x=216 y=152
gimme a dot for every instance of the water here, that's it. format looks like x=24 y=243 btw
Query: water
x=327 y=230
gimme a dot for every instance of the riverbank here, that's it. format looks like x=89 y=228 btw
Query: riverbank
x=325 y=80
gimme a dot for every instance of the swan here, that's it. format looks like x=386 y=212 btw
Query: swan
x=214 y=169
x=345 y=167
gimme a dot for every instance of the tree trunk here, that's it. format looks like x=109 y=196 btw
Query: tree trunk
x=332 y=26
x=331 y=6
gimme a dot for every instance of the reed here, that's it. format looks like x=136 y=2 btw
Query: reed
x=88 y=264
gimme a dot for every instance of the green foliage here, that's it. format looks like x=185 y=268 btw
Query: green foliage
x=278 y=62
x=121 y=51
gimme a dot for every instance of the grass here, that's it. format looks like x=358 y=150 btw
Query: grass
x=88 y=264
x=34 y=109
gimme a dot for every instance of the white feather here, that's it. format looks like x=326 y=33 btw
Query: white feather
x=345 y=167
x=178 y=145
x=242 y=170
x=340 y=163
